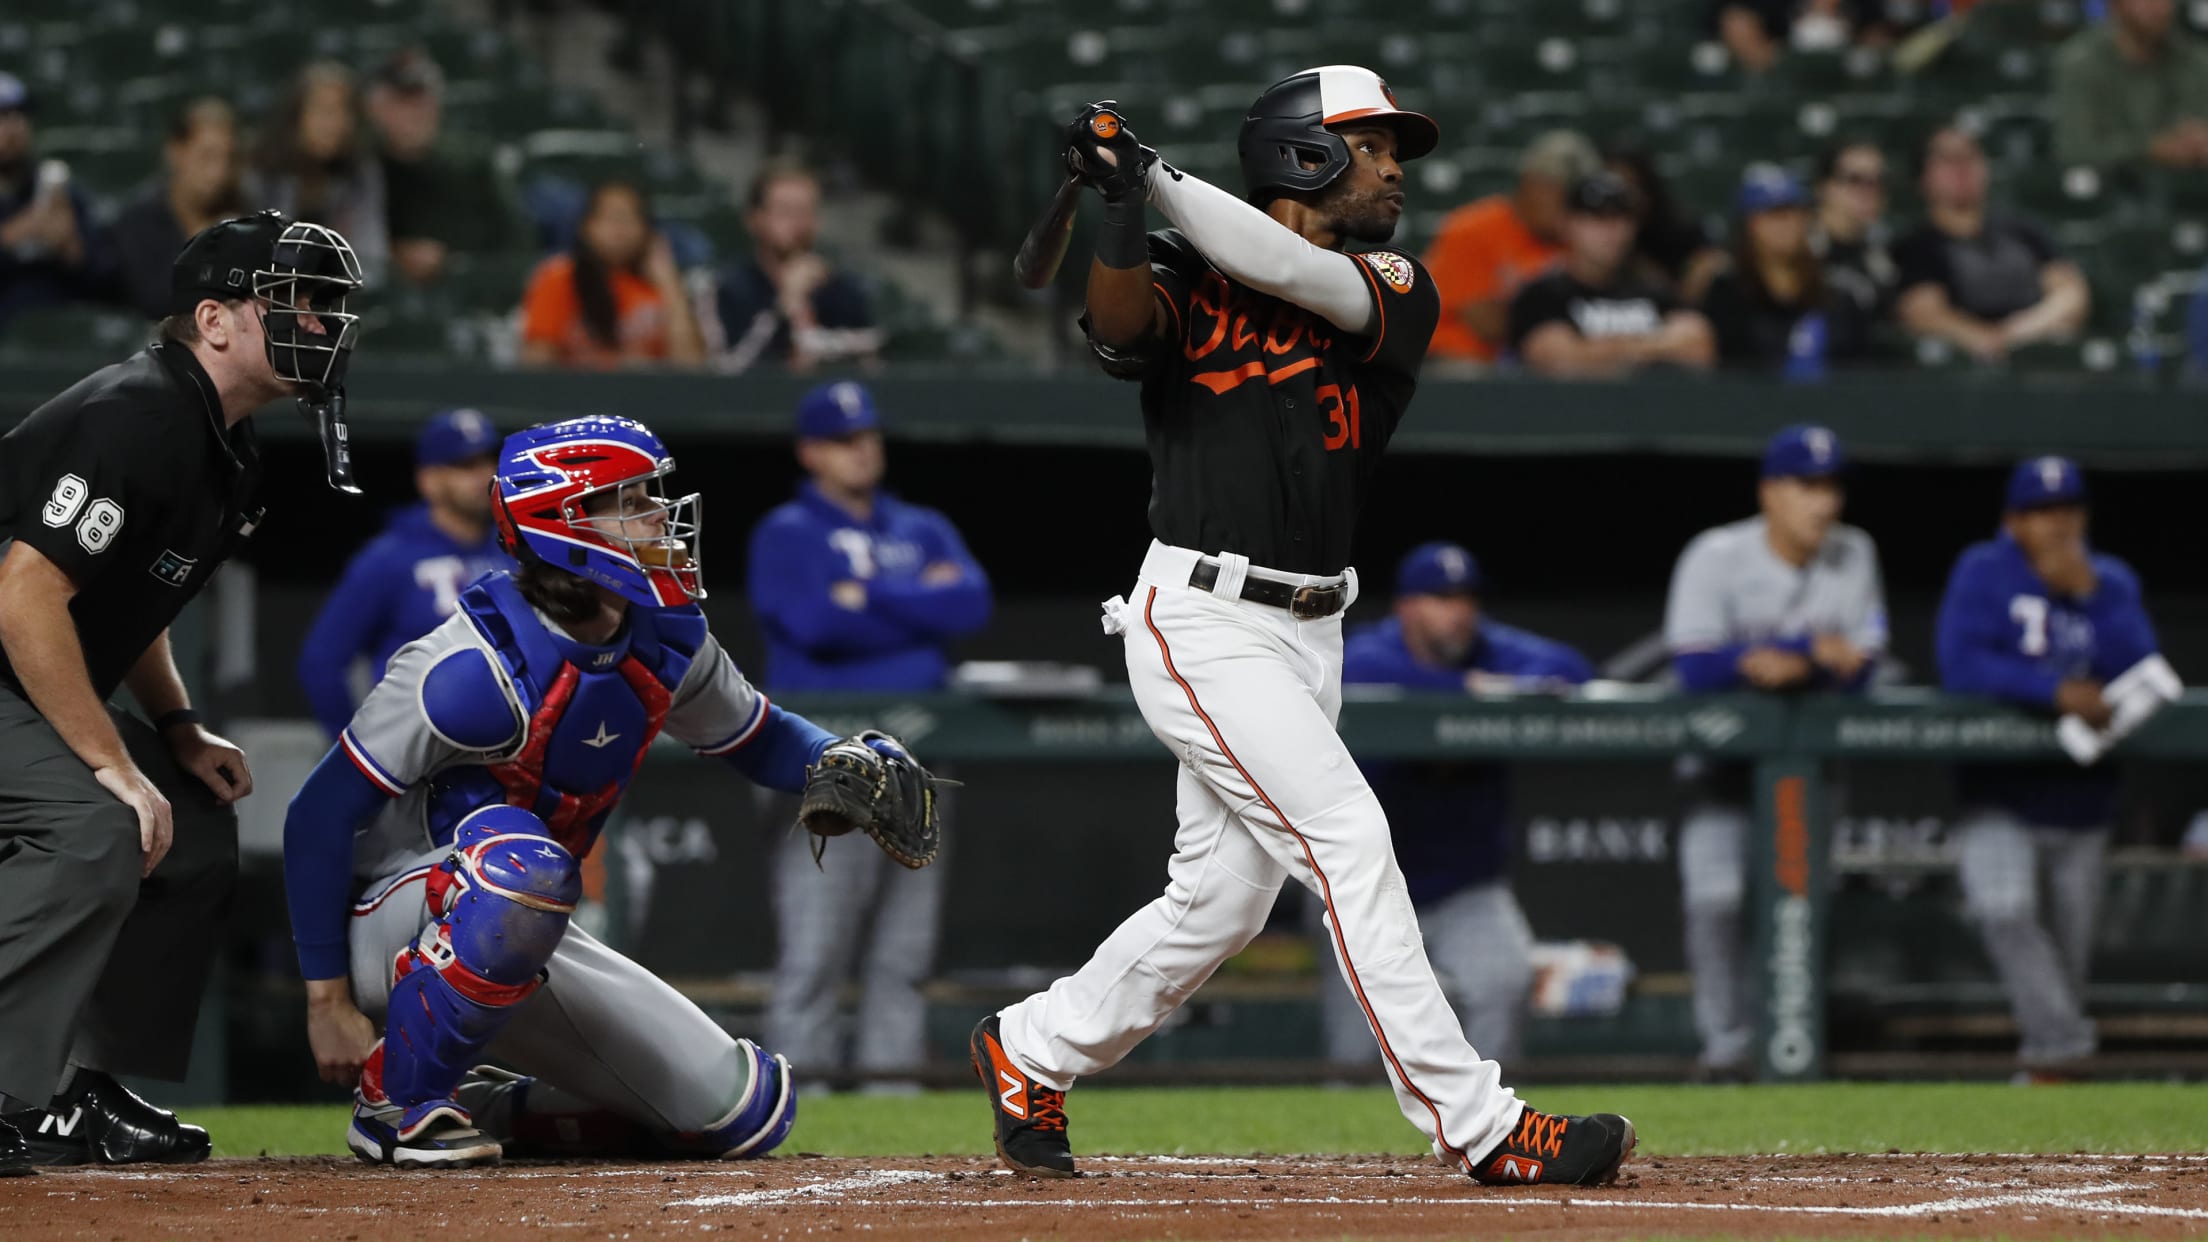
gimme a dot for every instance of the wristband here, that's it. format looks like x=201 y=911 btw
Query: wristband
x=1122 y=242
x=169 y=720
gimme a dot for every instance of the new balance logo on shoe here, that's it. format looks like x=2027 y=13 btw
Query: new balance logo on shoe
x=1012 y=1094
x=52 y=1124
x=1515 y=1169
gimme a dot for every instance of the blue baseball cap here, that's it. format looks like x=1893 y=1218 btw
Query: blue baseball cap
x=1803 y=451
x=1768 y=187
x=2045 y=482
x=14 y=96
x=833 y=411
x=453 y=436
x=1437 y=568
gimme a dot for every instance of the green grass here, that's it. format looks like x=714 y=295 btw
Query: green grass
x=2117 y=1117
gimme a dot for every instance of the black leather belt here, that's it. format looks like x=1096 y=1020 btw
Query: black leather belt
x=1305 y=603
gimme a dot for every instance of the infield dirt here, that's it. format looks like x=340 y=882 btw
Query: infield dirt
x=969 y=1200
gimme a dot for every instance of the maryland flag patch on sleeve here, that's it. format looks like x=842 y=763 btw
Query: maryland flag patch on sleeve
x=1393 y=268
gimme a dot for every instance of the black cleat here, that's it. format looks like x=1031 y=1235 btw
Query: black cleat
x=15 y=1152
x=100 y=1121
x=1031 y=1119
x=1559 y=1151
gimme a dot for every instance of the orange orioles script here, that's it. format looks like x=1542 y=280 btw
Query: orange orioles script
x=1256 y=337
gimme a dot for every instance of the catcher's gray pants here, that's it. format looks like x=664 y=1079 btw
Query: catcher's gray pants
x=97 y=967
x=859 y=909
x=2003 y=864
x=602 y=1031
x=1481 y=948
x=1713 y=881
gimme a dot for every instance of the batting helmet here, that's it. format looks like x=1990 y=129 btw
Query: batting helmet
x=1288 y=124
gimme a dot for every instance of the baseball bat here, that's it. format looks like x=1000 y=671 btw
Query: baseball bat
x=1044 y=247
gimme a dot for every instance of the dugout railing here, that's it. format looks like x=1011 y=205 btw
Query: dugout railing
x=1790 y=743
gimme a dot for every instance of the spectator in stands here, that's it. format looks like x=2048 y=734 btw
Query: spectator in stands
x=787 y=302
x=1773 y=308
x=1983 y=281
x=50 y=251
x=615 y=298
x=1758 y=32
x=1670 y=250
x=437 y=201
x=2036 y=616
x=407 y=579
x=1848 y=232
x=856 y=590
x=1488 y=248
x=313 y=165
x=1784 y=601
x=2133 y=90
x=201 y=157
x=1451 y=821
x=1593 y=317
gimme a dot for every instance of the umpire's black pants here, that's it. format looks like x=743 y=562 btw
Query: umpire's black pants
x=98 y=967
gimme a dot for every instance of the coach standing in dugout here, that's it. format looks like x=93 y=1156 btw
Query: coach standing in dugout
x=1788 y=600
x=118 y=501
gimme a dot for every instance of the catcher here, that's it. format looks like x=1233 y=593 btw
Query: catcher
x=433 y=858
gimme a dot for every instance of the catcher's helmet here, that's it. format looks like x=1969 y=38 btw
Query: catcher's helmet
x=644 y=548
x=1289 y=122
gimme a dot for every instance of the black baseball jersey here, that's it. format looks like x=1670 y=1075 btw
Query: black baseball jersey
x=1265 y=421
x=131 y=484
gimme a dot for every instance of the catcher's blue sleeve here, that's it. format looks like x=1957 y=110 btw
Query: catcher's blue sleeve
x=337 y=801
x=785 y=745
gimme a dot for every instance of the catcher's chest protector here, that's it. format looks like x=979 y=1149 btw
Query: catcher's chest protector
x=592 y=711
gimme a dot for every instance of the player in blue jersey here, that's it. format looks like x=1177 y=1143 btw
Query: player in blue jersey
x=408 y=578
x=2035 y=616
x=433 y=859
x=856 y=590
x=1452 y=820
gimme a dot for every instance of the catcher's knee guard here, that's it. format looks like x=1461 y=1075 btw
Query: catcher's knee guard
x=761 y=1119
x=502 y=900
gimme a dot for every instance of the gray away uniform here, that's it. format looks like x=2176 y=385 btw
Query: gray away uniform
x=1731 y=590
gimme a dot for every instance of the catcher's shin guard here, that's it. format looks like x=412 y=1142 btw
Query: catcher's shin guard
x=502 y=900
x=760 y=1120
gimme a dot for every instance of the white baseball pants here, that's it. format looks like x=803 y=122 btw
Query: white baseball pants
x=1246 y=697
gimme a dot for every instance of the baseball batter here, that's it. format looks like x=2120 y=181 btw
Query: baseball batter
x=433 y=859
x=1274 y=369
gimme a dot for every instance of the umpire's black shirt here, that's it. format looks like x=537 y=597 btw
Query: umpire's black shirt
x=1265 y=421
x=131 y=484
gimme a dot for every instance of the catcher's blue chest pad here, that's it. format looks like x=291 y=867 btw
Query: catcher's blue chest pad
x=609 y=702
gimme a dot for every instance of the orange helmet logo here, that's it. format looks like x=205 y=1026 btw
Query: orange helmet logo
x=1104 y=125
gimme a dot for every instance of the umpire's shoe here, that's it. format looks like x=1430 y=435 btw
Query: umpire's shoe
x=1031 y=1118
x=15 y=1153
x=100 y=1121
x=1569 y=1151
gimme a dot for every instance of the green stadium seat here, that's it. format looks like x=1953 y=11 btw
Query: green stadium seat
x=109 y=161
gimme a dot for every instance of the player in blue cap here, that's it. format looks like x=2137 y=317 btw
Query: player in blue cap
x=856 y=590
x=1789 y=599
x=1451 y=821
x=408 y=578
x=2035 y=616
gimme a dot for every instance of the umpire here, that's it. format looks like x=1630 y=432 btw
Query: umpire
x=118 y=500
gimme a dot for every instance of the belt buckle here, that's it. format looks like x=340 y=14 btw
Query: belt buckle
x=1310 y=603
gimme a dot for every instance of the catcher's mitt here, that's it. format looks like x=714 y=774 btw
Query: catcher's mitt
x=888 y=796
